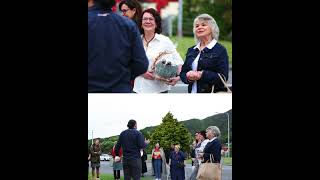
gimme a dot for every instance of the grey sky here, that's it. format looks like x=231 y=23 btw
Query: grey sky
x=108 y=114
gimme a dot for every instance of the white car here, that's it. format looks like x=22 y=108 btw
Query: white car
x=105 y=157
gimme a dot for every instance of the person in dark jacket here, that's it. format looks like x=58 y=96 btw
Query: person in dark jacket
x=213 y=147
x=133 y=10
x=167 y=153
x=115 y=50
x=176 y=163
x=144 y=158
x=207 y=60
x=95 y=151
x=131 y=141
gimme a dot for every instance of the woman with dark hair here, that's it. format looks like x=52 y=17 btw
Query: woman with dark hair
x=95 y=151
x=156 y=46
x=202 y=142
x=117 y=166
x=131 y=9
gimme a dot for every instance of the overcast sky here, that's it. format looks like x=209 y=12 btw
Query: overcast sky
x=108 y=114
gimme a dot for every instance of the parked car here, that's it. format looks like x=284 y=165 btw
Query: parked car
x=105 y=157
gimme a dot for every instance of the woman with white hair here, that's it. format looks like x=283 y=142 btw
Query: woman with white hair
x=213 y=146
x=206 y=60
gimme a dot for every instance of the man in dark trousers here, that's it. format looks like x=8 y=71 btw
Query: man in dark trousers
x=115 y=50
x=131 y=141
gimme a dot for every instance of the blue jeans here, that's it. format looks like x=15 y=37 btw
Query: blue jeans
x=157 y=167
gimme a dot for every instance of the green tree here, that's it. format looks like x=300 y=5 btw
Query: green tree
x=106 y=146
x=170 y=131
x=220 y=10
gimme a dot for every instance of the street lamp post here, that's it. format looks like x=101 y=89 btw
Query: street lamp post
x=228 y=153
x=180 y=19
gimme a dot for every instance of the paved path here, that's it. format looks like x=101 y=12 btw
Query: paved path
x=107 y=169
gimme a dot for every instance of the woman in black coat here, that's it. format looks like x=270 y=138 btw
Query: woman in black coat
x=144 y=158
x=213 y=147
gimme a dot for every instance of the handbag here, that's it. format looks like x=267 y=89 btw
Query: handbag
x=181 y=164
x=223 y=80
x=209 y=170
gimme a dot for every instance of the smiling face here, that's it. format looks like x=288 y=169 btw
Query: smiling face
x=148 y=22
x=203 y=30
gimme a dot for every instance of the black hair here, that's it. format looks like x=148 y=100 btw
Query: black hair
x=105 y=4
x=131 y=124
x=133 y=4
x=203 y=133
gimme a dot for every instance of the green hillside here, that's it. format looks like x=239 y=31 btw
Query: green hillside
x=193 y=125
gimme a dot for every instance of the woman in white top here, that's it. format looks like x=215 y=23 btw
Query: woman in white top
x=199 y=149
x=155 y=45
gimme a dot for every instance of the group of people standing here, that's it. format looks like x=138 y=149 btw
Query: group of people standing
x=171 y=163
x=122 y=51
x=122 y=54
x=206 y=143
x=129 y=155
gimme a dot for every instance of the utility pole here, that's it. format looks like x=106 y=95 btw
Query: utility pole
x=180 y=19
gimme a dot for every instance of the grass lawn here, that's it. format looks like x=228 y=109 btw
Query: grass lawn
x=187 y=42
x=110 y=177
x=227 y=161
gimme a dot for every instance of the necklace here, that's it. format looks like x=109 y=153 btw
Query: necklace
x=147 y=42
